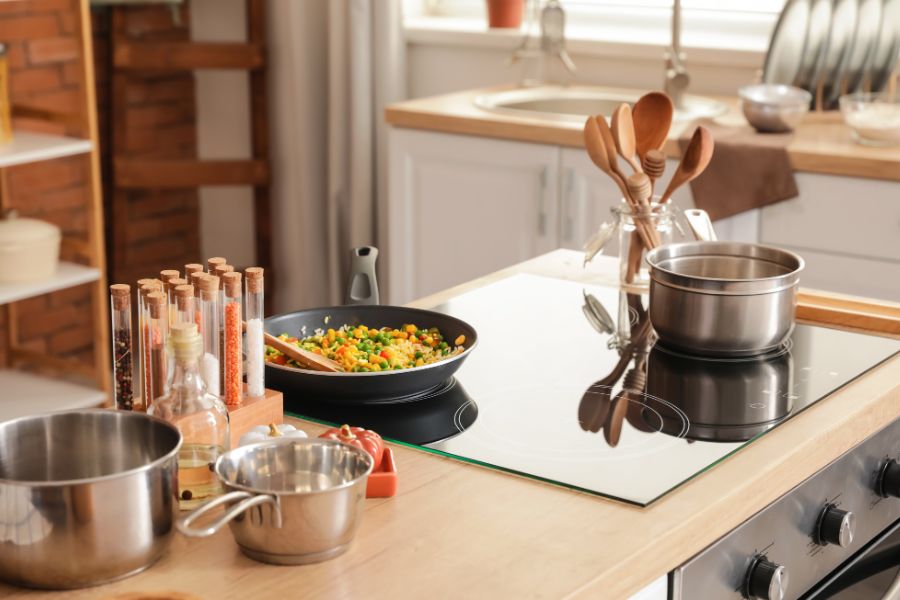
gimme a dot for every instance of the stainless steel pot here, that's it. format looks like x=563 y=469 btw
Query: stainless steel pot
x=290 y=501
x=86 y=496
x=723 y=298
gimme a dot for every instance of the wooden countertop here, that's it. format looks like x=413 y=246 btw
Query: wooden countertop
x=459 y=530
x=821 y=144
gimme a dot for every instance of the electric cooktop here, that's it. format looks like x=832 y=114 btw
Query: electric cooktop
x=535 y=397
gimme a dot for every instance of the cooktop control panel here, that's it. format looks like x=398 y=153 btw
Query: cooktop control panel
x=788 y=547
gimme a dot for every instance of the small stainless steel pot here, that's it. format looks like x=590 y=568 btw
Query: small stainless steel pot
x=723 y=298
x=86 y=496
x=290 y=502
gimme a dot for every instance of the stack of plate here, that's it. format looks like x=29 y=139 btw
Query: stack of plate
x=842 y=46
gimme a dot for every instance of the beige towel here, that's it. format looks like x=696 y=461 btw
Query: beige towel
x=748 y=170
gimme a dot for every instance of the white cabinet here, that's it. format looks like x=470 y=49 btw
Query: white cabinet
x=461 y=207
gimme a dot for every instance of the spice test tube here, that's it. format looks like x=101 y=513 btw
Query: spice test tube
x=256 y=349
x=220 y=271
x=123 y=356
x=170 y=294
x=155 y=285
x=158 y=332
x=184 y=305
x=233 y=334
x=210 y=363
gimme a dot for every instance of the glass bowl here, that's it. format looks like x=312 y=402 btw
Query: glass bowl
x=873 y=118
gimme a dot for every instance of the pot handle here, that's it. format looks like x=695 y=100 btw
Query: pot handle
x=701 y=225
x=248 y=500
x=362 y=288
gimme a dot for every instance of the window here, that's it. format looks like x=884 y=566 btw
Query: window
x=743 y=25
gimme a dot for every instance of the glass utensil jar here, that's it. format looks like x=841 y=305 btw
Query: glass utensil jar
x=634 y=272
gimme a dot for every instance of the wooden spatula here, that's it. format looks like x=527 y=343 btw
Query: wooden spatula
x=308 y=359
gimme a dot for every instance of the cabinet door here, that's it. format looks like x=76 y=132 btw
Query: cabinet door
x=460 y=207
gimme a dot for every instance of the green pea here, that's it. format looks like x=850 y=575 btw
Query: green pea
x=419 y=355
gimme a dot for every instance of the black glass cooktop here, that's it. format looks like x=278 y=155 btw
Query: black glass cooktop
x=541 y=395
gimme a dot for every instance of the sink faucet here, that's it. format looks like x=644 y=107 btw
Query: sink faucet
x=677 y=78
x=553 y=37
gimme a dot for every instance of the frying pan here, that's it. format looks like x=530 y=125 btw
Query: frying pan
x=381 y=387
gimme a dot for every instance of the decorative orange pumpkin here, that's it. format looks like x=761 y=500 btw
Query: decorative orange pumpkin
x=366 y=439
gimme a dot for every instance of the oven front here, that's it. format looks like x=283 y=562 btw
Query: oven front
x=835 y=535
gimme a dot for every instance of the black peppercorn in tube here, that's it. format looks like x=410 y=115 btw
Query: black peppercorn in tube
x=123 y=357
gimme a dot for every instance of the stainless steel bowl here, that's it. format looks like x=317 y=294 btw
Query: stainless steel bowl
x=290 y=502
x=774 y=108
x=86 y=496
x=723 y=298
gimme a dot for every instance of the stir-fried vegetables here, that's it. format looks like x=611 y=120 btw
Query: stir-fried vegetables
x=362 y=349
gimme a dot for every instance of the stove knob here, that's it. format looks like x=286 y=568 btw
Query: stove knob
x=835 y=526
x=889 y=479
x=766 y=580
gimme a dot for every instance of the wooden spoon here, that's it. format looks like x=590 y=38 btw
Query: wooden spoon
x=595 y=143
x=695 y=159
x=652 y=118
x=308 y=359
x=623 y=134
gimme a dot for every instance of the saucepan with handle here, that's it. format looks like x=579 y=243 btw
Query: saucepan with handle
x=723 y=298
x=290 y=501
x=381 y=387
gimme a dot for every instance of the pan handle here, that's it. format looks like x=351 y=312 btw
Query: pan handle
x=247 y=500
x=362 y=289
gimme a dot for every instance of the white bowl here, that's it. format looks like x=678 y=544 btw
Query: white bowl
x=874 y=118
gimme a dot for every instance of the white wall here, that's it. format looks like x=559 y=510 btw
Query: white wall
x=223 y=132
x=435 y=68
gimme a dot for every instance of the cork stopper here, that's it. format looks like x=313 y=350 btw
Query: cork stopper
x=155 y=285
x=191 y=268
x=184 y=297
x=186 y=341
x=142 y=282
x=220 y=273
x=214 y=262
x=120 y=293
x=232 y=284
x=209 y=285
x=174 y=283
x=254 y=277
x=157 y=303
x=195 y=281
x=167 y=274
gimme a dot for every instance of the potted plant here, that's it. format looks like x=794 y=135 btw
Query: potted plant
x=505 y=13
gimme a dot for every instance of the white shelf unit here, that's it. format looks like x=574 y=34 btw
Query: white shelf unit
x=27 y=147
x=26 y=394
x=67 y=275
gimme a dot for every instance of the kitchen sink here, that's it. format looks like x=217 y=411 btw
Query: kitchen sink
x=573 y=104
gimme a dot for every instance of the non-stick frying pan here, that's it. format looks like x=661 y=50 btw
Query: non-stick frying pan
x=384 y=387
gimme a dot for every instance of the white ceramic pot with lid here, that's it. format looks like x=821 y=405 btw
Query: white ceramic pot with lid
x=29 y=249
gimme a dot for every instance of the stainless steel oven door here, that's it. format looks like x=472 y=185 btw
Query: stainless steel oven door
x=872 y=574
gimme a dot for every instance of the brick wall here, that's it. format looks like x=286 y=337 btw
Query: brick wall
x=146 y=115
x=43 y=53
x=143 y=115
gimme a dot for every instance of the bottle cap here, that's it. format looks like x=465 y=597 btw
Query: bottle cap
x=120 y=293
x=220 y=273
x=195 y=281
x=232 y=284
x=215 y=261
x=209 y=284
x=186 y=341
x=254 y=277
x=157 y=303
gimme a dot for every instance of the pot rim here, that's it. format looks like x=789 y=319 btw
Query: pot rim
x=721 y=285
x=173 y=453
x=295 y=441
